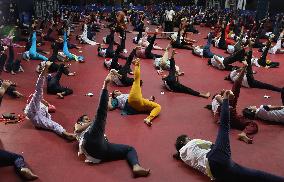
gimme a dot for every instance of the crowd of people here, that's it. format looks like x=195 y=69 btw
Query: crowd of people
x=231 y=31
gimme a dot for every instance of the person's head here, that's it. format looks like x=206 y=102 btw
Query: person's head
x=181 y=141
x=115 y=93
x=83 y=119
x=249 y=112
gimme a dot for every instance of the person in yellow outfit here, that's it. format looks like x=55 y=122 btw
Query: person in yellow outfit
x=134 y=102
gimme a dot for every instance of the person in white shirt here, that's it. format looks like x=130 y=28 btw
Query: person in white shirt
x=94 y=145
x=266 y=112
x=214 y=160
x=169 y=15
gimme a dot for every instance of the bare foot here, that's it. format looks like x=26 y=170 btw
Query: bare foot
x=60 y=95
x=28 y=174
x=148 y=122
x=72 y=74
x=139 y=171
x=245 y=138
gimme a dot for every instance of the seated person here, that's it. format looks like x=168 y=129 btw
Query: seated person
x=94 y=145
x=134 y=103
x=171 y=82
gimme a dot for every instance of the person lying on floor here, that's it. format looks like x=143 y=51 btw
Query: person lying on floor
x=205 y=50
x=270 y=113
x=215 y=160
x=238 y=45
x=12 y=90
x=37 y=110
x=143 y=41
x=83 y=38
x=94 y=145
x=109 y=52
x=53 y=84
x=134 y=103
x=53 y=67
x=249 y=81
x=177 y=41
x=69 y=55
x=249 y=128
x=163 y=63
x=171 y=82
x=32 y=53
x=113 y=63
x=146 y=53
x=276 y=49
x=12 y=159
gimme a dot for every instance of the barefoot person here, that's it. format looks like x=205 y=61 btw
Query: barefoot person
x=37 y=111
x=96 y=148
x=214 y=160
x=134 y=103
x=171 y=82
x=249 y=128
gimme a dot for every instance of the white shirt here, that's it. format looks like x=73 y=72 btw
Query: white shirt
x=197 y=50
x=215 y=105
x=274 y=115
x=122 y=99
x=234 y=75
x=217 y=64
x=254 y=61
x=108 y=63
x=194 y=154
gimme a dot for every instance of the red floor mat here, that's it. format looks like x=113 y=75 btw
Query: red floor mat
x=55 y=160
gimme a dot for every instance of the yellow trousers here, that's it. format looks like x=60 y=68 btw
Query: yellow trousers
x=137 y=101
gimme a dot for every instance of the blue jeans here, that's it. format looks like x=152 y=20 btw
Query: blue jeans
x=223 y=168
x=206 y=49
x=33 y=54
x=98 y=147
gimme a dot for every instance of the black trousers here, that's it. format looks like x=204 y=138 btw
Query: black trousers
x=98 y=147
x=174 y=85
x=123 y=71
x=149 y=48
x=53 y=85
x=223 y=168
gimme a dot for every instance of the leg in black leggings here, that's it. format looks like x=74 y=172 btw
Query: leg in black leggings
x=123 y=38
x=97 y=146
x=236 y=56
x=149 y=48
x=255 y=83
x=11 y=159
x=220 y=162
x=114 y=63
x=125 y=80
x=174 y=84
x=54 y=87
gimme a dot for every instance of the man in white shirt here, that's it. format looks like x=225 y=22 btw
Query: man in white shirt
x=169 y=15
x=214 y=160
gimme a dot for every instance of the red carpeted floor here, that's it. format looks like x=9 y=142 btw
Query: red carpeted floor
x=55 y=160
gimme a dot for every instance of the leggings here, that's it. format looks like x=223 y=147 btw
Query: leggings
x=136 y=100
x=33 y=52
x=262 y=60
x=55 y=67
x=114 y=62
x=206 y=49
x=67 y=53
x=123 y=71
x=98 y=147
x=222 y=41
x=11 y=159
x=223 y=168
x=53 y=85
x=239 y=122
x=255 y=83
x=149 y=48
x=12 y=65
x=174 y=85
x=236 y=56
